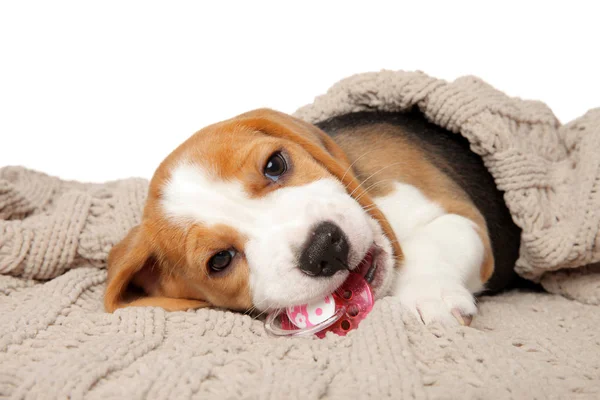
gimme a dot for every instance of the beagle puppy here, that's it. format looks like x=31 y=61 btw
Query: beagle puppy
x=265 y=211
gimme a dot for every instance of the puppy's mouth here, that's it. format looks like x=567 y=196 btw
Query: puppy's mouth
x=371 y=268
x=342 y=309
x=367 y=268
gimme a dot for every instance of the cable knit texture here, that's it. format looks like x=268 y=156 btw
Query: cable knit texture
x=56 y=341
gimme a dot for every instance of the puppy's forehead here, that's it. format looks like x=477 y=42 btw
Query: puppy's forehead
x=222 y=151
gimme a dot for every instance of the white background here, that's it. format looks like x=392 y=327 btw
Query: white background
x=105 y=90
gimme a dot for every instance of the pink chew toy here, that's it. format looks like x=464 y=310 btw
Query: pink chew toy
x=338 y=312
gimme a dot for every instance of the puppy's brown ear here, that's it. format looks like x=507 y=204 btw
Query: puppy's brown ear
x=323 y=149
x=136 y=279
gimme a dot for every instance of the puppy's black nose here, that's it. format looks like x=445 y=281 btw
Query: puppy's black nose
x=325 y=252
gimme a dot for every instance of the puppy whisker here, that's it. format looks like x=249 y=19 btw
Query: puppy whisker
x=255 y=308
x=375 y=173
x=266 y=310
x=354 y=162
x=366 y=190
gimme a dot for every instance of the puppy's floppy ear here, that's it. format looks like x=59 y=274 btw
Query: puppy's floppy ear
x=135 y=279
x=323 y=149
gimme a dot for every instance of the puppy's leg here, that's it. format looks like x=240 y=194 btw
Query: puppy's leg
x=441 y=271
x=447 y=255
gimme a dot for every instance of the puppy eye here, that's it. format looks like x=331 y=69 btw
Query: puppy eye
x=275 y=167
x=221 y=260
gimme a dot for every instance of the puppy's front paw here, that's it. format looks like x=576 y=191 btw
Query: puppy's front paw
x=444 y=302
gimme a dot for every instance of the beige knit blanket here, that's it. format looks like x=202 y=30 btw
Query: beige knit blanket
x=57 y=342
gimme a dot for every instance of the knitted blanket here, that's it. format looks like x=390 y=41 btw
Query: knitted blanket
x=56 y=341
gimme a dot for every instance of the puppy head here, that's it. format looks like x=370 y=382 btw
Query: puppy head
x=261 y=211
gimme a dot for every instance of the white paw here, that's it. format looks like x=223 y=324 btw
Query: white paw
x=433 y=301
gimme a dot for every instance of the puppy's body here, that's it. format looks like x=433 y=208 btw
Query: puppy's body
x=403 y=147
x=266 y=211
